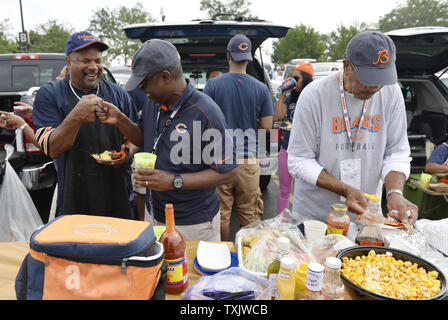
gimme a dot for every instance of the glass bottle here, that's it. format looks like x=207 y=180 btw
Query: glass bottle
x=338 y=221
x=332 y=287
x=285 y=279
x=175 y=254
x=283 y=249
x=372 y=220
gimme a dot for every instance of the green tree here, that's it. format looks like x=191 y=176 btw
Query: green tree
x=230 y=8
x=108 y=25
x=300 y=42
x=49 y=37
x=6 y=44
x=416 y=13
x=336 y=41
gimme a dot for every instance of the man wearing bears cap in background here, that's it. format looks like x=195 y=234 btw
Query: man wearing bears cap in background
x=247 y=105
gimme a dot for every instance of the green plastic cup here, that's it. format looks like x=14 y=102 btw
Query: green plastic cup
x=145 y=160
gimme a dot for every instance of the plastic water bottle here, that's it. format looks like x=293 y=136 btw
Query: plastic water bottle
x=333 y=288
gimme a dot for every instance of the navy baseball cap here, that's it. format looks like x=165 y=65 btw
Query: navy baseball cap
x=152 y=57
x=81 y=40
x=240 y=48
x=373 y=54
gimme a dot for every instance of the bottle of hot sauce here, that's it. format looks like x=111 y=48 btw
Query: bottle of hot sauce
x=175 y=254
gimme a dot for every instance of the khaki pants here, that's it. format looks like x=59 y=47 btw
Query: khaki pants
x=245 y=193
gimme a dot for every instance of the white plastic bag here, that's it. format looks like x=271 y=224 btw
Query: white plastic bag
x=18 y=214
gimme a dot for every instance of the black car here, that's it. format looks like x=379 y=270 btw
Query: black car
x=202 y=47
x=22 y=75
x=422 y=58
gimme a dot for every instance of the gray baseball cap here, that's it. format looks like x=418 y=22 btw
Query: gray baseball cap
x=152 y=57
x=240 y=48
x=373 y=54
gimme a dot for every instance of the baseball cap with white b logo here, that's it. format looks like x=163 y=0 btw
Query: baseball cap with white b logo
x=373 y=54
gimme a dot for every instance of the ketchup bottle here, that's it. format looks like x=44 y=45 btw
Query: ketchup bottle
x=175 y=254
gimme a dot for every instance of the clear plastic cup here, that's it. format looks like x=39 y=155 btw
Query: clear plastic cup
x=19 y=111
x=145 y=160
x=314 y=230
x=425 y=179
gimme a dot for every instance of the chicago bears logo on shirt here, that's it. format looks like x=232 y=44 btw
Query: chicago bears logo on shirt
x=180 y=128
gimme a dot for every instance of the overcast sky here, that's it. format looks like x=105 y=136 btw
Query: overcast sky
x=323 y=15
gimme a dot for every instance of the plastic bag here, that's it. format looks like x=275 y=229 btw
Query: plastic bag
x=256 y=243
x=329 y=246
x=230 y=284
x=19 y=217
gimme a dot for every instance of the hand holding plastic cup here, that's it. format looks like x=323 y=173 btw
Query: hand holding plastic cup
x=145 y=160
x=314 y=230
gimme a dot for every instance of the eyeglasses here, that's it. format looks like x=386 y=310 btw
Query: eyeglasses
x=296 y=78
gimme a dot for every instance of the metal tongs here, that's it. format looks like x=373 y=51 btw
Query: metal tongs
x=408 y=226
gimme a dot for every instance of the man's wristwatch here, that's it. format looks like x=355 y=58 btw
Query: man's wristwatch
x=389 y=192
x=177 y=182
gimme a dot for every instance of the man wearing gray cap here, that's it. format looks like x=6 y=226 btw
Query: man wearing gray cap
x=349 y=135
x=184 y=175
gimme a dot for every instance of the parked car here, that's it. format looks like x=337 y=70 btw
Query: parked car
x=202 y=47
x=121 y=74
x=22 y=75
x=422 y=52
x=323 y=69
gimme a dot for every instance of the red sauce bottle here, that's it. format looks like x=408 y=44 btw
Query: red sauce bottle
x=175 y=254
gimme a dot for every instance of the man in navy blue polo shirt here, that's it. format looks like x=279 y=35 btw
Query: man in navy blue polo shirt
x=247 y=107
x=66 y=127
x=187 y=132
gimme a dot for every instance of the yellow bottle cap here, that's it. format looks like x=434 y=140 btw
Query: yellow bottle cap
x=372 y=197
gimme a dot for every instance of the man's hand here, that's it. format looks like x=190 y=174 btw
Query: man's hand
x=84 y=111
x=157 y=180
x=108 y=113
x=10 y=120
x=26 y=107
x=399 y=207
x=356 y=201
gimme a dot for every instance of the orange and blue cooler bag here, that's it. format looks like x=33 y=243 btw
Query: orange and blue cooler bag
x=93 y=257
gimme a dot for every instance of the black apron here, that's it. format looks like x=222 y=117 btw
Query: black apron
x=89 y=187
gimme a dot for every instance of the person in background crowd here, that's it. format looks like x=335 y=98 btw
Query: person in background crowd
x=8 y=119
x=438 y=161
x=247 y=105
x=175 y=109
x=67 y=128
x=286 y=105
x=212 y=74
x=349 y=135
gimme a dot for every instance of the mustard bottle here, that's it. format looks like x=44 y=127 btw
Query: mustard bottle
x=300 y=277
x=285 y=279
